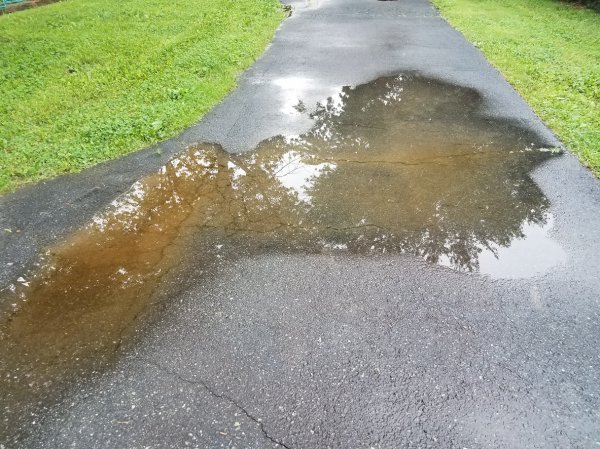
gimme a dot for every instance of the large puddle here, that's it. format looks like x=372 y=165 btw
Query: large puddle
x=398 y=165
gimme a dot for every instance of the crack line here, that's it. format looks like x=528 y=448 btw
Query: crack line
x=216 y=395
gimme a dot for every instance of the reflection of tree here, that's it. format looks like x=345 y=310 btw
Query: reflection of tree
x=413 y=168
x=419 y=170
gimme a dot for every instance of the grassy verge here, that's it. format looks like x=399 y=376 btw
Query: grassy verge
x=83 y=81
x=550 y=52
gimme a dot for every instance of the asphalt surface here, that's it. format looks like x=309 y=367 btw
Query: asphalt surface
x=336 y=350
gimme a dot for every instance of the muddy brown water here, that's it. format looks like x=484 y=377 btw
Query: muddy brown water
x=400 y=165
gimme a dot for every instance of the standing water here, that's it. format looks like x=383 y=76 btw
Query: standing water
x=399 y=165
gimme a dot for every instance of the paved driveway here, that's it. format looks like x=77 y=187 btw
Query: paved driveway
x=372 y=243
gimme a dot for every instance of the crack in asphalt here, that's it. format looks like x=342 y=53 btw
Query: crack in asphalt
x=221 y=396
x=432 y=160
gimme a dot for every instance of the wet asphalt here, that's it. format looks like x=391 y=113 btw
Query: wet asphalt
x=333 y=349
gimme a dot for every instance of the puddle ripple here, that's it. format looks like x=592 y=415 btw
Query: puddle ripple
x=398 y=165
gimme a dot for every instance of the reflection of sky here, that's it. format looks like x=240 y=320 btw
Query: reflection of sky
x=293 y=89
x=532 y=254
x=124 y=207
x=297 y=176
x=525 y=257
x=236 y=174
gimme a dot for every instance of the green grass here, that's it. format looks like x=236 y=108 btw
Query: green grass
x=83 y=81
x=550 y=52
